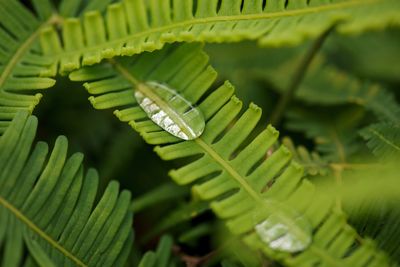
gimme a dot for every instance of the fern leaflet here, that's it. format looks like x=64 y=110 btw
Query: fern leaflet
x=20 y=64
x=311 y=161
x=51 y=202
x=161 y=257
x=335 y=136
x=384 y=140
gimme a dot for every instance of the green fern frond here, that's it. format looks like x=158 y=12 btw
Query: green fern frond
x=312 y=163
x=164 y=192
x=52 y=202
x=327 y=85
x=20 y=64
x=324 y=84
x=161 y=257
x=23 y=68
x=384 y=140
x=135 y=26
x=75 y=8
x=335 y=136
x=386 y=235
x=370 y=197
x=245 y=186
x=179 y=215
x=192 y=235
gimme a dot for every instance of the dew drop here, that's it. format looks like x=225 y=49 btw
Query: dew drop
x=169 y=110
x=283 y=237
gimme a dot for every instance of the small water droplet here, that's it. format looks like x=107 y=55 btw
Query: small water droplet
x=169 y=110
x=283 y=237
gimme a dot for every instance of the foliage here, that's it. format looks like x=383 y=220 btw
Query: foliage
x=136 y=26
x=50 y=203
x=239 y=181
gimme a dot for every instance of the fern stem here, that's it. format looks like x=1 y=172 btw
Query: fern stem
x=298 y=77
x=124 y=72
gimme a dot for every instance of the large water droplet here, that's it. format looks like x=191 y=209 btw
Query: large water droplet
x=284 y=237
x=169 y=110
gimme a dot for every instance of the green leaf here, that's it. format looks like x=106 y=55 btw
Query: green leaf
x=325 y=84
x=195 y=232
x=335 y=135
x=311 y=161
x=370 y=196
x=12 y=241
x=164 y=250
x=226 y=166
x=162 y=193
x=169 y=110
x=23 y=68
x=38 y=252
x=384 y=140
x=55 y=201
x=20 y=64
x=134 y=26
x=160 y=258
x=149 y=259
x=177 y=216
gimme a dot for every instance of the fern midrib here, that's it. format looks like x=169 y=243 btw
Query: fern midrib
x=258 y=198
x=154 y=97
x=210 y=151
x=385 y=140
x=238 y=177
x=371 y=101
x=215 y=19
x=41 y=233
x=183 y=126
x=241 y=180
x=26 y=45
x=199 y=141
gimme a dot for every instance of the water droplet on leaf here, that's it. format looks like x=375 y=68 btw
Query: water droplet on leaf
x=283 y=237
x=169 y=110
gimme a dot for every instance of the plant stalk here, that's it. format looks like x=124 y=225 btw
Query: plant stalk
x=298 y=77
